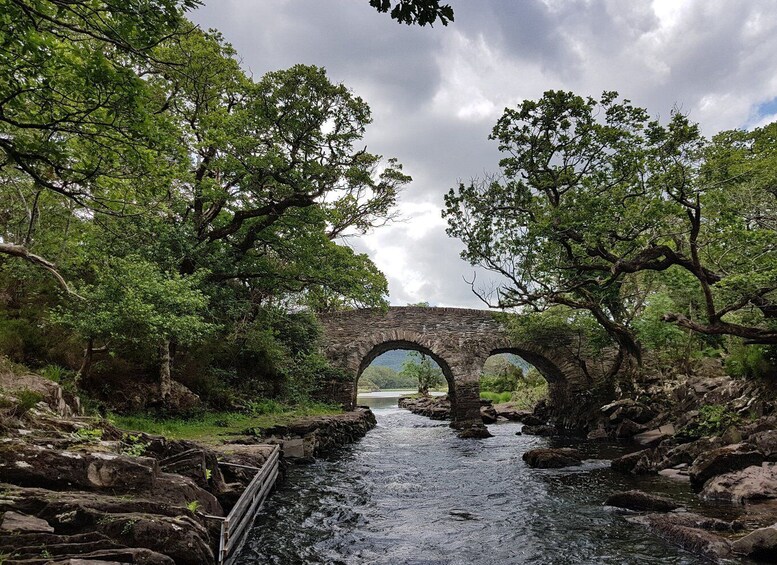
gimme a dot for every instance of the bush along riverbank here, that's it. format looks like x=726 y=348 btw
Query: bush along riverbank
x=76 y=487
x=715 y=433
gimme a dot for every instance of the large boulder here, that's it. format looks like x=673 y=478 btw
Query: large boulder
x=652 y=438
x=37 y=466
x=181 y=538
x=722 y=460
x=549 y=458
x=758 y=482
x=510 y=412
x=488 y=414
x=475 y=431
x=628 y=409
x=642 y=501
x=766 y=443
x=686 y=453
x=629 y=428
x=760 y=545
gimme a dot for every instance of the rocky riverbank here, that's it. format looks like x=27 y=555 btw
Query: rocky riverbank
x=715 y=433
x=439 y=408
x=79 y=490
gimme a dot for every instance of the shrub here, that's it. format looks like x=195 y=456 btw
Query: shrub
x=748 y=361
x=27 y=399
x=713 y=419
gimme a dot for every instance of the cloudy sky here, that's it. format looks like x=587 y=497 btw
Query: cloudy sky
x=436 y=92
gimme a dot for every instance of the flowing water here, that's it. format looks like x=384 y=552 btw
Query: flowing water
x=411 y=492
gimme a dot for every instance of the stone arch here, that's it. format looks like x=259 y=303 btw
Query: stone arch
x=374 y=345
x=460 y=340
x=554 y=361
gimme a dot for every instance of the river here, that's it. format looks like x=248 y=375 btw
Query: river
x=411 y=492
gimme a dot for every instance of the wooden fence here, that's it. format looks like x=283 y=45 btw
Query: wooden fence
x=237 y=523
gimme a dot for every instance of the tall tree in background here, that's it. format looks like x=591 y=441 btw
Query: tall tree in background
x=420 y=367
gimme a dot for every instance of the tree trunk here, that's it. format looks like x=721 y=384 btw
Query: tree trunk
x=86 y=363
x=165 y=380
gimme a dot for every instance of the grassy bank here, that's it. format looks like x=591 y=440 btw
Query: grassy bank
x=216 y=427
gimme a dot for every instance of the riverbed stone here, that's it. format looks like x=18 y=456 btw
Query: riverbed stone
x=766 y=443
x=758 y=482
x=552 y=458
x=629 y=428
x=693 y=539
x=760 y=545
x=643 y=501
x=722 y=460
x=474 y=431
x=637 y=463
x=542 y=430
x=655 y=436
x=686 y=453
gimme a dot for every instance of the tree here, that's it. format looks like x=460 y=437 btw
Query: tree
x=419 y=12
x=133 y=302
x=595 y=196
x=76 y=117
x=273 y=175
x=420 y=367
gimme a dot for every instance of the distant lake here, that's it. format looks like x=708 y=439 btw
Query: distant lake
x=386 y=398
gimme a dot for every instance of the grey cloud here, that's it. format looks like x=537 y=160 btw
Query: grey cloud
x=717 y=64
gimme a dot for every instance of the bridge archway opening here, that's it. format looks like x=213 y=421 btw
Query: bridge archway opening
x=508 y=377
x=402 y=345
x=552 y=373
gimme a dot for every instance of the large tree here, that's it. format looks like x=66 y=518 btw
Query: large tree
x=595 y=195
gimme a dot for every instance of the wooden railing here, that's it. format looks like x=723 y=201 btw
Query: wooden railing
x=237 y=523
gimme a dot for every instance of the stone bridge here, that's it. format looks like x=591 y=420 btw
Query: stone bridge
x=459 y=340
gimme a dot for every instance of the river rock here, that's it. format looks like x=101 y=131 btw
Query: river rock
x=686 y=453
x=15 y=522
x=488 y=414
x=689 y=520
x=637 y=463
x=552 y=458
x=474 y=432
x=655 y=436
x=181 y=491
x=673 y=528
x=766 y=443
x=628 y=428
x=760 y=545
x=181 y=538
x=643 y=501
x=434 y=407
x=599 y=434
x=627 y=409
x=751 y=483
x=542 y=430
x=508 y=411
x=722 y=460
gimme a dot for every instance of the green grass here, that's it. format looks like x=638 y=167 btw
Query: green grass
x=496 y=397
x=215 y=426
